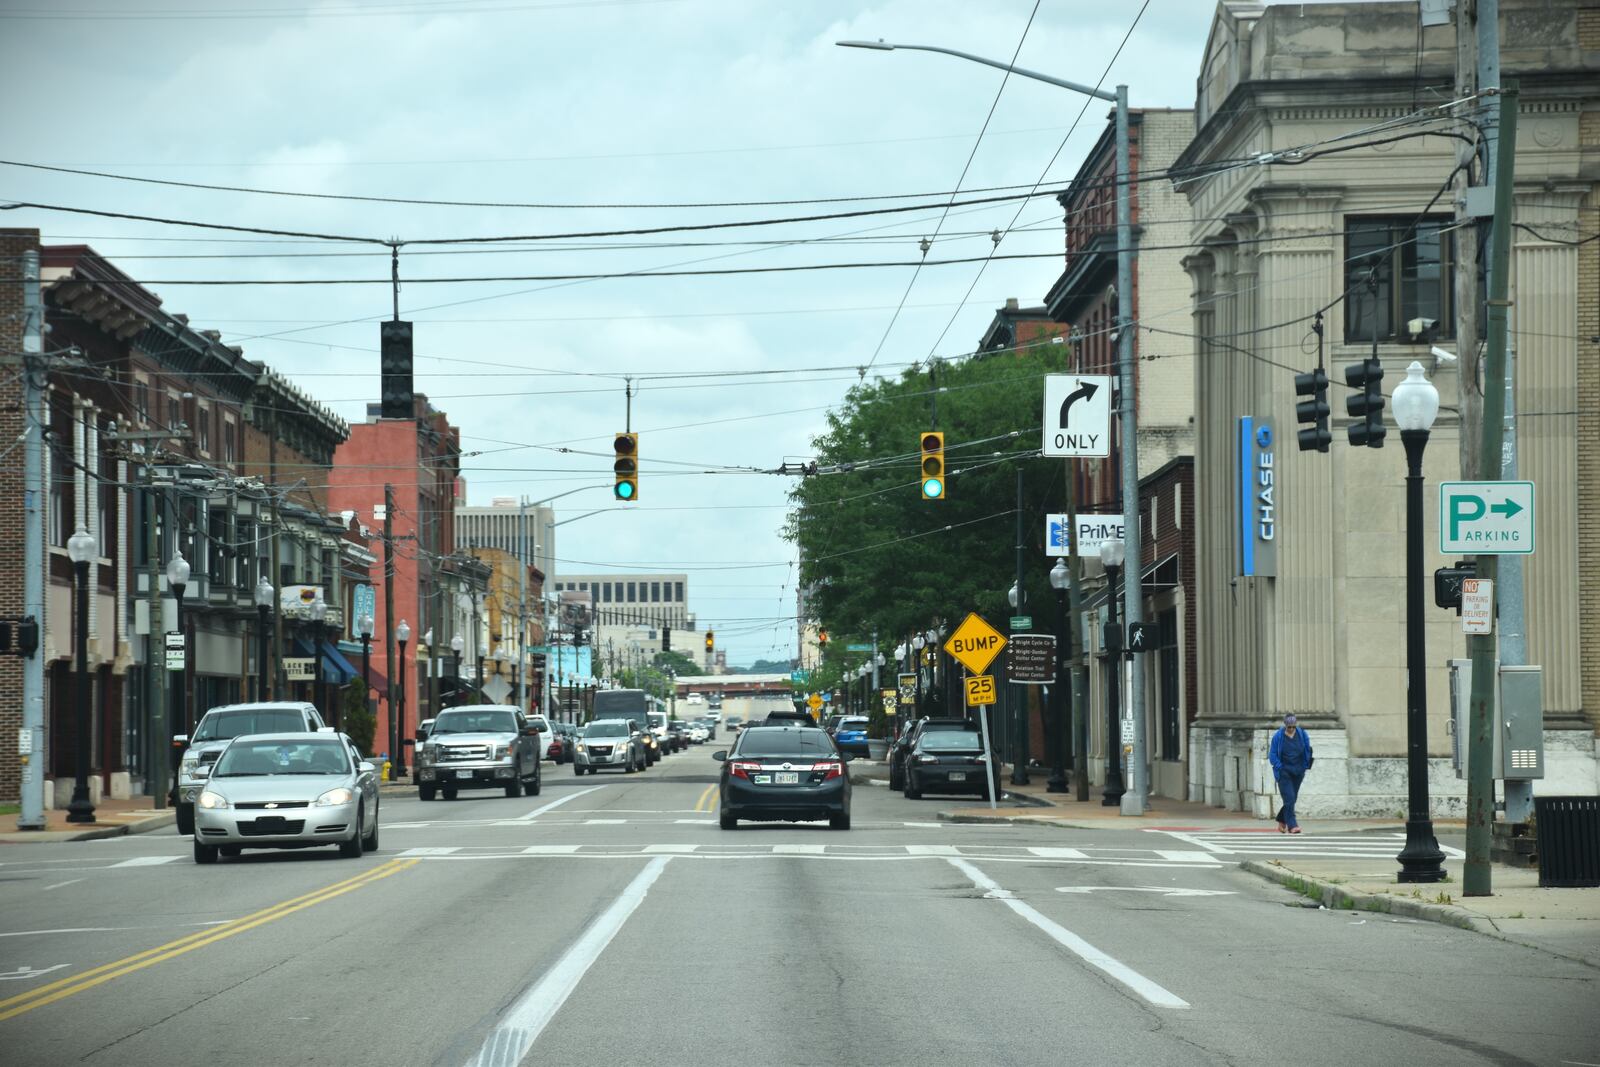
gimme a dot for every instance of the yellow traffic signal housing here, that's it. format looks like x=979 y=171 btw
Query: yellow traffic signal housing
x=626 y=465
x=710 y=640
x=933 y=478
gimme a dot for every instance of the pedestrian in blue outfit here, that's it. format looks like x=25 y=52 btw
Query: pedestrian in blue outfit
x=1290 y=756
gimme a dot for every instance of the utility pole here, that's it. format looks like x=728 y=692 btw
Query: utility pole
x=278 y=680
x=395 y=738
x=522 y=604
x=1481 y=647
x=1080 y=689
x=31 y=813
x=1016 y=697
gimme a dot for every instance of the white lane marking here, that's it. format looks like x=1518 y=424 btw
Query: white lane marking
x=694 y=822
x=106 y=929
x=405 y=825
x=1185 y=856
x=604 y=822
x=27 y=972
x=536 y=812
x=926 y=825
x=1164 y=890
x=62 y=885
x=671 y=850
x=1144 y=987
x=549 y=850
x=145 y=861
x=1059 y=853
x=932 y=850
x=522 y=1024
x=436 y=850
x=799 y=850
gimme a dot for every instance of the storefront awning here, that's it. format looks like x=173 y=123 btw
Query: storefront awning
x=1162 y=574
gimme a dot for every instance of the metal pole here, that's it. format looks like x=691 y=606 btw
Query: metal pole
x=179 y=679
x=455 y=668
x=1476 y=879
x=31 y=813
x=1016 y=696
x=396 y=705
x=1134 y=799
x=1060 y=727
x=397 y=765
x=366 y=673
x=1114 y=791
x=81 y=808
x=263 y=622
x=1420 y=859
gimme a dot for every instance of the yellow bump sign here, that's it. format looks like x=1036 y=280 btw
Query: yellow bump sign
x=975 y=644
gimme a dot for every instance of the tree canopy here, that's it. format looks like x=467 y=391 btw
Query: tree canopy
x=876 y=556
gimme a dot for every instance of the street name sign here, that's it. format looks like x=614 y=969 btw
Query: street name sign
x=1477 y=606
x=1031 y=659
x=1077 y=415
x=1022 y=622
x=1486 y=518
x=980 y=690
x=975 y=644
x=1092 y=530
x=858 y=648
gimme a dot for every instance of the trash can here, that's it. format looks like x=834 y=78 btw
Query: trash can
x=1569 y=841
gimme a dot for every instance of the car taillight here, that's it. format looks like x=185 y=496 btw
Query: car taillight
x=743 y=768
x=830 y=770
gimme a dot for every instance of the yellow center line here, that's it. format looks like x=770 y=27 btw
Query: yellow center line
x=66 y=987
x=707 y=801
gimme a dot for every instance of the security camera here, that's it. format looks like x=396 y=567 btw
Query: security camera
x=1420 y=327
x=1441 y=356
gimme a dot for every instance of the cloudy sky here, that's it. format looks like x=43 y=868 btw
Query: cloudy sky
x=601 y=107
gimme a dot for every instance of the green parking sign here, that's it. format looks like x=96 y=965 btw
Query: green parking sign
x=1486 y=518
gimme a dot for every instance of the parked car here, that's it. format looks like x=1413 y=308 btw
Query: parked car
x=832 y=721
x=424 y=728
x=546 y=733
x=949 y=761
x=219 y=726
x=900 y=750
x=480 y=746
x=784 y=774
x=851 y=734
x=610 y=743
x=564 y=741
x=287 y=790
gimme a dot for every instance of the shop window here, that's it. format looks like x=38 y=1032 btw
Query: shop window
x=1397 y=270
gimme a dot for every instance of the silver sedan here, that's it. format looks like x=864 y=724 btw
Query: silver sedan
x=287 y=791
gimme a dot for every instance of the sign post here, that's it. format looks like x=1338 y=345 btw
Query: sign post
x=974 y=645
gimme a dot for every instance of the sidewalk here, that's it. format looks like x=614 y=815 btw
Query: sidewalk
x=1564 y=922
x=113 y=818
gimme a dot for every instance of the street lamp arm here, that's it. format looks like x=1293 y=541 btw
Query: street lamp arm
x=1098 y=94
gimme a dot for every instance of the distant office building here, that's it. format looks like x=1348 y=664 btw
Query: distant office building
x=502 y=525
x=649 y=599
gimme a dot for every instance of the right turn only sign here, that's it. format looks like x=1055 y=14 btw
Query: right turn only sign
x=1077 y=415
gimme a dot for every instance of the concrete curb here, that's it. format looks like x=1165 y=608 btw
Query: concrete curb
x=98 y=833
x=1337 y=898
x=1025 y=820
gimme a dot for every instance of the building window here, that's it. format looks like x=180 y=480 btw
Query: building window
x=655 y=592
x=230 y=432
x=217 y=537
x=605 y=590
x=1397 y=270
x=631 y=590
x=678 y=592
x=141 y=399
x=1170 y=680
x=203 y=430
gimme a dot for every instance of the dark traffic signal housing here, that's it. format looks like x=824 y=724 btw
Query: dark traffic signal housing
x=933 y=477
x=1312 y=414
x=1367 y=403
x=626 y=465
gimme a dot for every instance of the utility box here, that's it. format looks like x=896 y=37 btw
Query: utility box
x=1518 y=720
x=1521 y=732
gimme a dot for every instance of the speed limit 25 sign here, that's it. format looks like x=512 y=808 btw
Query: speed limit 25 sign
x=980 y=689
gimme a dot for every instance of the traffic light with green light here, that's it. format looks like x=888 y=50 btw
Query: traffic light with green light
x=626 y=466
x=933 y=480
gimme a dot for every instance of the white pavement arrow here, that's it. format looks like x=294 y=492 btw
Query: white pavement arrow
x=1169 y=890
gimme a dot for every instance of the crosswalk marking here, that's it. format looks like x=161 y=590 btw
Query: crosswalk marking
x=670 y=850
x=1059 y=853
x=799 y=850
x=1302 y=846
x=1186 y=855
x=550 y=850
x=438 y=850
x=604 y=822
x=932 y=850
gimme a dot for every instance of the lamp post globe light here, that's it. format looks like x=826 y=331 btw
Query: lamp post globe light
x=1111 y=555
x=264 y=594
x=81 y=549
x=457 y=643
x=319 y=615
x=1416 y=405
x=397 y=707
x=1060 y=579
x=178 y=581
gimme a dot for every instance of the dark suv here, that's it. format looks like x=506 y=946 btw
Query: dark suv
x=900 y=750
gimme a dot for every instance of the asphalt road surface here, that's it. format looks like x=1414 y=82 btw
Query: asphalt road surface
x=610 y=921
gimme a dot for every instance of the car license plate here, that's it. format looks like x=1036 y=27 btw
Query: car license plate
x=958 y=776
x=786 y=778
x=463 y=774
x=269 y=822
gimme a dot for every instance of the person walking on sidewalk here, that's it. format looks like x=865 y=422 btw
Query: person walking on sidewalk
x=1290 y=756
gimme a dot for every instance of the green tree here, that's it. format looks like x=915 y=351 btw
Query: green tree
x=357 y=718
x=677 y=663
x=874 y=554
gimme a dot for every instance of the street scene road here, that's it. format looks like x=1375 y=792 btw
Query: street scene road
x=612 y=921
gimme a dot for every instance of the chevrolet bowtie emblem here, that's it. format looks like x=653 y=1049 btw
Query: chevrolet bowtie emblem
x=272 y=805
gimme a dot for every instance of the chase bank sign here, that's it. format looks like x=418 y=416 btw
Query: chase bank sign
x=1257 y=497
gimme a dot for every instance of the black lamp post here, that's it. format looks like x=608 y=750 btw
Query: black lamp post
x=364 y=630
x=81 y=548
x=178 y=581
x=457 y=643
x=1060 y=728
x=319 y=683
x=1111 y=554
x=264 y=595
x=917 y=643
x=1016 y=698
x=1416 y=405
x=397 y=708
